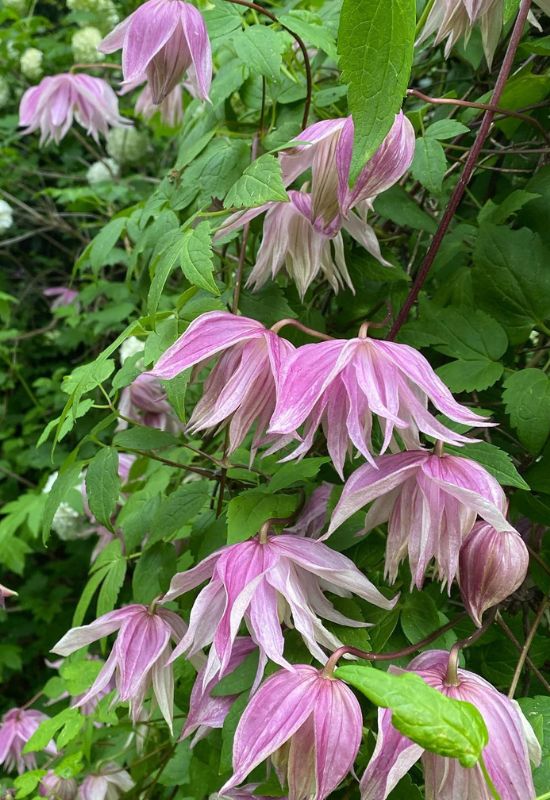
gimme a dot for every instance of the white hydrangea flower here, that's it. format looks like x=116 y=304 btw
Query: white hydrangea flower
x=6 y=216
x=105 y=170
x=130 y=347
x=126 y=145
x=4 y=92
x=84 y=45
x=31 y=63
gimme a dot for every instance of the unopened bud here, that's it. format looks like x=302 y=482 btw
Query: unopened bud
x=493 y=564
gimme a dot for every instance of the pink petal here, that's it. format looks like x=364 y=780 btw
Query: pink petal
x=393 y=757
x=86 y=634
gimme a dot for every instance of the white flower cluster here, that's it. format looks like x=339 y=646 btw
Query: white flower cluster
x=126 y=145
x=31 y=63
x=84 y=45
x=6 y=216
x=100 y=171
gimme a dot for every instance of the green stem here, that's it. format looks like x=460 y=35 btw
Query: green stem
x=491 y=786
x=423 y=17
x=543 y=796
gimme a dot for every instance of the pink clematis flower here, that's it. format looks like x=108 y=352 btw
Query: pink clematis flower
x=139 y=658
x=54 y=787
x=62 y=296
x=144 y=401
x=431 y=503
x=313 y=517
x=16 y=728
x=161 y=41
x=205 y=710
x=341 y=384
x=506 y=756
x=304 y=235
x=4 y=593
x=264 y=582
x=311 y=727
x=110 y=783
x=171 y=108
x=493 y=564
x=241 y=387
x=52 y=105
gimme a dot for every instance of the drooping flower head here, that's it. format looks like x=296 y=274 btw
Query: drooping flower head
x=61 y=296
x=16 y=728
x=110 y=783
x=207 y=711
x=506 y=756
x=241 y=386
x=263 y=582
x=4 y=593
x=430 y=502
x=493 y=564
x=304 y=234
x=170 y=108
x=309 y=725
x=144 y=401
x=58 y=99
x=161 y=41
x=54 y=787
x=313 y=517
x=342 y=384
x=139 y=658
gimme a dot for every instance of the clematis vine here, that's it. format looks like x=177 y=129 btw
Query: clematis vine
x=241 y=387
x=506 y=756
x=493 y=564
x=266 y=581
x=342 y=384
x=58 y=99
x=160 y=41
x=16 y=728
x=431 y=503
x=139 y=659
x=309 y=725
x=304 y=235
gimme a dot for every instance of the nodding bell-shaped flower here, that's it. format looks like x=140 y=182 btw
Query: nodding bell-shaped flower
x=58 y=99
x=511 y=743
x=139 y=658
x=161 y=41
x=267 y=581
x=308 y=724
x=16 y=728
x=342 y=384
x=145 y=402
x=242 y=385
x=54 y=787
x=431 y=503
x=4 y=593
x=207 y=711
x=110 y=783
x=313 y=517
x=493 y=564
x=62 y=296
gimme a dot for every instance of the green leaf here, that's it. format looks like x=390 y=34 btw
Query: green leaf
x=27 y=783
x=142 y=438
x=395 y=204
x=79 y=674
x=196 y=257
x=513 y=202
x=440 y=724
x=260 y=48
x=406 y=790
x=495 y=461
x=429 y=164
x=289 y=474
x=445 y=129
x=311 y=28
x=104 y=242
x=376 y=45
x=179 y=508
x=514 y=289
x=163 y=261
x=69 y=718
x=260 y=183
x=68 y=478
x=537 y=711
x=228 y=731
x=249 y=510
x=111 y=586
x=87 y=593
x=527 y=399
x=103 y=485
x=153 y=572
x=419 y=616
x=240 y=679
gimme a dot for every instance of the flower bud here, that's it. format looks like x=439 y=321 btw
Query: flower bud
x=101 y=171
x=126 y=146
x=492 y=565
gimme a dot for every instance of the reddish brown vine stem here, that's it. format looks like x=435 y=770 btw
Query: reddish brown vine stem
x=299 y=41
x=467 y=172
